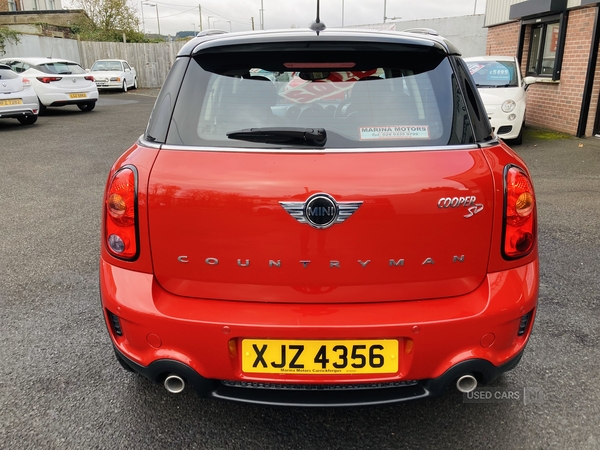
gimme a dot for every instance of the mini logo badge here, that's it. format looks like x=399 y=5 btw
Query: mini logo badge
x=320 y=210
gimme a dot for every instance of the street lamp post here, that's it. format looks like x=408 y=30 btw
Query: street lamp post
x=385 y=17
x=194 y=25
x=208 y=20
x=143 y=24
x=224 y=21
x=157 y=18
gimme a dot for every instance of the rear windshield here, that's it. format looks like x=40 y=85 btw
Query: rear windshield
x=61 y=68
x=377 y=96
x=6 y=73
x=494 y=73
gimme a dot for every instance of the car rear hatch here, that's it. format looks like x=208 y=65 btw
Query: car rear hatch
x=262 y=141
x=10 y=82
x=66 y=76
x=218 y=228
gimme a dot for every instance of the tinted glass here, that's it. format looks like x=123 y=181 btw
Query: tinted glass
x=381 y=96
x=6 y=73
x=61 y=68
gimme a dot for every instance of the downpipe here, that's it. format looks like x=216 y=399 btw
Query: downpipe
x=466 y=384
x=174 y=384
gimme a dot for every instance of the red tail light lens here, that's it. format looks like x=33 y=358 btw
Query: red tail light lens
x=121 y=214
x=26 y=82
x=520 y=231
x=49 y=79
x=89 y=78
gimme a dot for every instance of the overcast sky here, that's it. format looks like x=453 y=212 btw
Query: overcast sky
x=183 y=15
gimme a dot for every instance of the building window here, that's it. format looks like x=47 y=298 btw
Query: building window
x=543 y=49
x=12 y=5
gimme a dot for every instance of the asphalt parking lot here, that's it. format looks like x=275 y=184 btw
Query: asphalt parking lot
x=60 y=386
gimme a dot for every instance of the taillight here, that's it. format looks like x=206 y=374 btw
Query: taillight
x=520 y=214
x=121 y=214
x=49 y=79
x=26 y=82
x=89 y=78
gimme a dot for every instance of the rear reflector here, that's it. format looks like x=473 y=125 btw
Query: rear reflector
x=115 y=323
x=524 y=323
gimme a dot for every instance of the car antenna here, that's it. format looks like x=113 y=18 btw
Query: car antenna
x=317 y=25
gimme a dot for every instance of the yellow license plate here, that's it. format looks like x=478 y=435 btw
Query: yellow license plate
x=14 y=101
x=78 y=95
x=320 y=357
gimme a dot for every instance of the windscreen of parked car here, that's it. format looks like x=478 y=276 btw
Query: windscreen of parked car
x=61 y=68
x=494 y=73
x=356 y=95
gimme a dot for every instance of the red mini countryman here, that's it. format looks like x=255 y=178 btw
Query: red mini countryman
x=319 y=218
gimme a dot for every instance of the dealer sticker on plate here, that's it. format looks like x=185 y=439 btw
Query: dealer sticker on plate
x=320 y=357
x=394 y=132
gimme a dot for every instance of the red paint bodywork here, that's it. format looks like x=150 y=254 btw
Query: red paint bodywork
x=225 y=206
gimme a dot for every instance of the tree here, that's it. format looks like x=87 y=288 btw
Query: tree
x=107 y=20
x=7 y=35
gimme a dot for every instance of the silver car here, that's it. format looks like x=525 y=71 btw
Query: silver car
x=17 y=97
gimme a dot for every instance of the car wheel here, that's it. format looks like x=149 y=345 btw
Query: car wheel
x=124 y=85
x=27 y=120
x=135 y=83
x=519 y=139
x=86 y=106
x=42 y=109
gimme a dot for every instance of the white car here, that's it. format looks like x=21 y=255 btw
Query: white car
x=17 y=97
x=114 y=74
x=57 y=82
x=503 y=91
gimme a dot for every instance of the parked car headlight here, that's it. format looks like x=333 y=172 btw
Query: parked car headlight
x=509 y=106
x=118 y=79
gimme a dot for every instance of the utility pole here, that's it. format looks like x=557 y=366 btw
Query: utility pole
x=262 y=15
x=200 y=13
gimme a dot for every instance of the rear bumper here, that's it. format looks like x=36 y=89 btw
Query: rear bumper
x=200 y=339
x=319 y=395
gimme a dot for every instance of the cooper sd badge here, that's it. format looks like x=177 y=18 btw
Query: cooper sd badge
x=320 y=210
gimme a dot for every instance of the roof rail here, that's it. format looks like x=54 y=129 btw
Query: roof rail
x=428 y=31
x=210 y=32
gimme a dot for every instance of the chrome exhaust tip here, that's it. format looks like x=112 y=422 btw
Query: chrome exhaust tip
x=174 y=384
x=466 y=384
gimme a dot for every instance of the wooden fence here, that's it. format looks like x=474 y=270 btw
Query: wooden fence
x=151 y=61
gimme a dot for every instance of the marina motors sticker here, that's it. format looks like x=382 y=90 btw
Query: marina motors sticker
x=396 y=132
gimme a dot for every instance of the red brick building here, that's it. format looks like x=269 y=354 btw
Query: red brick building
x=556 y=42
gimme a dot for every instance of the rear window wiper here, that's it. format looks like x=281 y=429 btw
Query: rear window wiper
x=316 y=137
